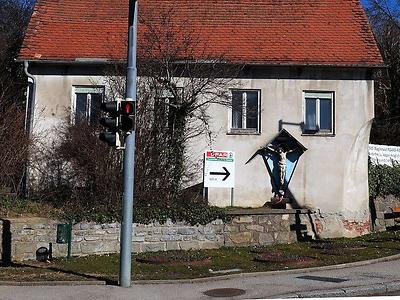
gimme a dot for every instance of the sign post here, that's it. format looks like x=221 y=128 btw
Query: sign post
x=219 y=170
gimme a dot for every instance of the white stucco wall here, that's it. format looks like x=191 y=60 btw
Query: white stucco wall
x=331 y=176
x=54 y=96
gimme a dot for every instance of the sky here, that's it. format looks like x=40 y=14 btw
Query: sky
x=392 y=3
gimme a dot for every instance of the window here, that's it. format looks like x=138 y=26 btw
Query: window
x=245 y=111
x=86 y=104
x=318 y=112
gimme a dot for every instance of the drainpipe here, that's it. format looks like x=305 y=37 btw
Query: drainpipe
x=30 y=101
x=29 y=112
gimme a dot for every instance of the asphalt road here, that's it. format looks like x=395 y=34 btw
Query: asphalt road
x=373 y=279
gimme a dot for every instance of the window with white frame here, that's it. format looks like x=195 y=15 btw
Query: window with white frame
x=318 y=112
x=86 y=104
x=245 y=110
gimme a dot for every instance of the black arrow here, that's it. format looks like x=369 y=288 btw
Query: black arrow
x=226 y=173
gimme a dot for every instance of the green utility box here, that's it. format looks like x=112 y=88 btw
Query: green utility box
x=64 y=236
x=63 y=233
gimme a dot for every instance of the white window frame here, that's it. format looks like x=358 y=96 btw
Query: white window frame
x=82 y=89
x=244 y=128
x=317 y=95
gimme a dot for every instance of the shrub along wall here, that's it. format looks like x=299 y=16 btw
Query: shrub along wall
x=384 y=180
x=24 y=236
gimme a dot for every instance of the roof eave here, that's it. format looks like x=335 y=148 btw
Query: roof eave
x=95 y=61
x=318 y=65
x=72 y=62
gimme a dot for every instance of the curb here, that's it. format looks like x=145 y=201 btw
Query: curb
x=270 y=273
x=347 y=291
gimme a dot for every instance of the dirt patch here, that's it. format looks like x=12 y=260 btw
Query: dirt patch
x=337 y=248
x=281 y=258
x=162 y=260
x=383 y=240
x=175 y=257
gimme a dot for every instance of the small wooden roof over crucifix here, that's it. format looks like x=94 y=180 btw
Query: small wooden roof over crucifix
x=283 y=139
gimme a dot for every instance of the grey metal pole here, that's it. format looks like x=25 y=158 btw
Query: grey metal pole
x=129 y=156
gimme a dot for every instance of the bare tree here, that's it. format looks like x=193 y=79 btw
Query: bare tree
x=384 y=16
x=384 y=12
x=179 y=81
x=14 y=149
x=14 y=16
x=78 y=173
x=175 y=91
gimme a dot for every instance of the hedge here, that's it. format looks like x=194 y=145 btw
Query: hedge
x=384 y=180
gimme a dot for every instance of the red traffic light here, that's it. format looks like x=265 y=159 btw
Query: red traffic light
x=127 y=107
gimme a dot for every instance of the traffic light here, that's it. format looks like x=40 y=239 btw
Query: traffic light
x=120 y=120
x=111 y=122
x=127 y=115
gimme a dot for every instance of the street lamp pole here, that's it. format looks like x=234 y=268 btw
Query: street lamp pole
x=129 y=155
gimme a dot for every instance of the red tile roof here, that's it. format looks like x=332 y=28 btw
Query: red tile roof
x=316 y=32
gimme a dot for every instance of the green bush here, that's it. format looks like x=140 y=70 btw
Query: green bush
x=12 y=207
x=193 y=215
x=145 y=215
x=384 y=180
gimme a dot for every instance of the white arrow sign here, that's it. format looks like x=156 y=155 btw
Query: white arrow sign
x=219 y=169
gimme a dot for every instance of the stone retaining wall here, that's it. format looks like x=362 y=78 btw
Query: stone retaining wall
x=383 y=216
x=26 y=235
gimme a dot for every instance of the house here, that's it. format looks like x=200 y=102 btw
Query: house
x=309 y=69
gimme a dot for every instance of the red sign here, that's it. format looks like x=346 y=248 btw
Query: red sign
x=217 y=154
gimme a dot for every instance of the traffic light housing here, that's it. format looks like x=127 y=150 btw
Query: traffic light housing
x=127 y=115
x=111 y=136
x=120 y=120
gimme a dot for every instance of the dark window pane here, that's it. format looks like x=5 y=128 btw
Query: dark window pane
x=325 y=114
x=311 y=114
x=95 y=103
x=252 y=110
x=237 y=109
x=80 y=107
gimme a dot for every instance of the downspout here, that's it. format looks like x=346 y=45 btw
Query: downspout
x=29 y=112
x=31 y=99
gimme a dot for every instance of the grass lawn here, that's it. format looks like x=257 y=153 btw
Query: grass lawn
x=205 y=263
